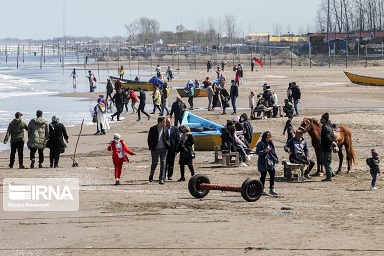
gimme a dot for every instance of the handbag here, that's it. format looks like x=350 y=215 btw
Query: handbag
x=189 y=154
x=226 y=146
x=269 y=164
x=94 y=118
x=225 y=102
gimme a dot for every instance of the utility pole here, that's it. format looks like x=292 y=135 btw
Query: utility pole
x=328 y=27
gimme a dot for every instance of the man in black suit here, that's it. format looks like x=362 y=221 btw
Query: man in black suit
x=158 y=143
x=174 y=139
x=178 y=108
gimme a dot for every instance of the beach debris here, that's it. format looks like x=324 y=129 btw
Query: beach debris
x=256 y=248
x=200 y=185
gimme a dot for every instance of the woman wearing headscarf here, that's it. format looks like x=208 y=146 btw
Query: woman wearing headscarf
x=55 y=142
x=100 y=110
x=267 y=161
x=120 y=153
x=224 y=95
x=186 y=144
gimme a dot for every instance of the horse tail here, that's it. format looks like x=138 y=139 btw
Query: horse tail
x=351 y=154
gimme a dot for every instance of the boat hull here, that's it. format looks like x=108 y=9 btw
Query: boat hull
x=134 y=85
x=210 y=132
x=365 y=80
x=198 y=93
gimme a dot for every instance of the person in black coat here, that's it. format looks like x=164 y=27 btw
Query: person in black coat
x=142 y=98
x=119 y=103
x=158 y=143
x=164 y=97
x=296 y=96
x=327 y=142
x=178 y=108
x=109 y=88
x=55 y=142
x=234 y=93
x=174 y=139
x=224 y=95
x=186 y=144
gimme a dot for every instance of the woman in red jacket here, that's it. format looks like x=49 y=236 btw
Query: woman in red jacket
x=119 y=155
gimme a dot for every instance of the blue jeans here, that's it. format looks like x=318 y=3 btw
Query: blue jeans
x=326 y=160
x=296 y=106
x=242 y=153
x=234 y=104
x=373 y=183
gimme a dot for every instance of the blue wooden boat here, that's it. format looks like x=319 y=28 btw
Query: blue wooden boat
x=207 y=133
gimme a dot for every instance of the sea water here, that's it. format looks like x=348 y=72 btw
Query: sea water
x=30 y=87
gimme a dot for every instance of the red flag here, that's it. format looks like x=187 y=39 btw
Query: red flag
x=256 y=60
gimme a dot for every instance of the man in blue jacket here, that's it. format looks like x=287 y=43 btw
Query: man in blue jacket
x=299 y=152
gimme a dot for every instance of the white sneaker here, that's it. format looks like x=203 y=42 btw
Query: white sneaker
x=373 y=188
x=243 y=164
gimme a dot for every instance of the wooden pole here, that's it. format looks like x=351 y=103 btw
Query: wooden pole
x=75 y=164
x=17 y=56
x=118 y=61
x=41 y=57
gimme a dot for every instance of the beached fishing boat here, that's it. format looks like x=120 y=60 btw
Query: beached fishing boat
x=207 y=133
x=134 y=85
x=198 y=92
x=366 y=80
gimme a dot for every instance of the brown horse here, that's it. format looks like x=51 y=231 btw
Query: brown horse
x=313 y=128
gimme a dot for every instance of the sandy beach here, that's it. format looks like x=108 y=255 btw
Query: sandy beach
x=342 y=217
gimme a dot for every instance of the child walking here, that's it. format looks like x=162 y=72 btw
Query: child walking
x=373 y=163
x=289 y=128
x=119 y=155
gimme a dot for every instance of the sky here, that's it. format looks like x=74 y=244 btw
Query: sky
x=46 y=19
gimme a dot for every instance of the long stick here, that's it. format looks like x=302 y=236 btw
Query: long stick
x=75 y=164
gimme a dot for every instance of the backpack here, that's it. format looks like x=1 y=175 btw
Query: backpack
x=249 y=131
x=94 y=78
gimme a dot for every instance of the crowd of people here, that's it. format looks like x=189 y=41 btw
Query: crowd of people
x=165 y=140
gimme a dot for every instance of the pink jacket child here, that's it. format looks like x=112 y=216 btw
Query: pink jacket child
x=120 y=153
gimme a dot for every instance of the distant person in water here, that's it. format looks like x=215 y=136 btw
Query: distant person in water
x=74 y=75
x=92 y=81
